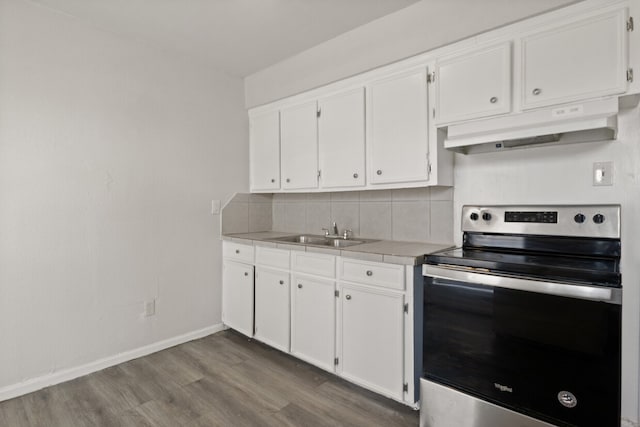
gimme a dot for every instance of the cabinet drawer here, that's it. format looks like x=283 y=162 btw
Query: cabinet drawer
x=271 y=257
x=372 y=273
x=313 y=263
x=237 y=252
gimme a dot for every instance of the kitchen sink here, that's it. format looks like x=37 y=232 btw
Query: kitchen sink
x=309 y=240
x=306 y=239
x=338 y=243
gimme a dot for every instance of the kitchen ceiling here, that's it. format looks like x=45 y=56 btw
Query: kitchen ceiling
x=239 y=37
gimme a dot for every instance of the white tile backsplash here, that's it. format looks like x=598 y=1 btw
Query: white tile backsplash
x=279 y=217
x=318 y=217
x=442 y=193
x=235 y=217
x=375 y=196
x=295 y=217
x=441 y=221
x=375 y=220
x=345 y=196
x=412 y=214
x=346 y=216
x=260 y=216
x=410 y=221
x=411 y=194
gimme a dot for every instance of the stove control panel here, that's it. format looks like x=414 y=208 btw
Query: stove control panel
x=533 y=216
x=567 y=220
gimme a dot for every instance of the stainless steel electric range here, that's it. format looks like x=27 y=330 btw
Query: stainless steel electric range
x=522 y=324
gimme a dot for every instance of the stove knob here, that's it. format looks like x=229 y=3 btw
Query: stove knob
x=579 y=218
x=598 y=218
x=473 y=216
x=486 y=216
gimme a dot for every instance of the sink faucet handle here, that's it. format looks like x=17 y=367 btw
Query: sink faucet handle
x=346 y=233
x=326 y=231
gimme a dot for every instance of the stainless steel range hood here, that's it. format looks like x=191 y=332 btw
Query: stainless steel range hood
x=579 y=122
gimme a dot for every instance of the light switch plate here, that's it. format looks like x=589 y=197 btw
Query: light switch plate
x=215 y=207
x=602 y=173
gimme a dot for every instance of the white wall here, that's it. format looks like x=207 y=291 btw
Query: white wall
x=110 y=154
x=563 y=175
x=418 y=28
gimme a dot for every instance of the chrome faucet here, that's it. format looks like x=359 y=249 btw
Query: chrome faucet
x=335 y=234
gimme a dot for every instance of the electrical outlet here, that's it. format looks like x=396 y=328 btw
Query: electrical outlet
x=150 y=308
x=215 y=207
x=602 y=173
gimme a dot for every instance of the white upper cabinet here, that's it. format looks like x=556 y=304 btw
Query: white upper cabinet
x=341 y=139
x=585 y=59
x=579 y=53
x=473 y=85
x=264 y=148
x=299 y=146
x=397 y=122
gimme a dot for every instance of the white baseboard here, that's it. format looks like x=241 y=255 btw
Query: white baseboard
x=34 y=384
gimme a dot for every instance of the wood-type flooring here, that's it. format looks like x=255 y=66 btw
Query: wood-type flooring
x=221 y=380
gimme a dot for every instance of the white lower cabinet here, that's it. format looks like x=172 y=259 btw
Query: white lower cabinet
x=343 y=315
x=313 y=323
x=371 y=338
x=272 y=307
x=237 y=296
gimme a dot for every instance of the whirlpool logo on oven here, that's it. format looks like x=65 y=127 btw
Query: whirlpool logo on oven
x=503 y=387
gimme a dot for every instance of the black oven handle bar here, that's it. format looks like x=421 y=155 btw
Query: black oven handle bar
x=592 y=293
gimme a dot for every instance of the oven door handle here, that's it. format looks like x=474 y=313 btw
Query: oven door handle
x=592 y=293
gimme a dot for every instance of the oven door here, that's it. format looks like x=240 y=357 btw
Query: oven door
x=546 y=355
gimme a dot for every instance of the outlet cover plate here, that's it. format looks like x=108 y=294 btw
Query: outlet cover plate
x=150 y=308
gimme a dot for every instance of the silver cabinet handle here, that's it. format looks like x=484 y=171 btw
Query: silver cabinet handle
x=282 y=282
x=273 y=180
x=369 y=273
x=347 y=296
x=246 y=274
x=299 y=285
x=355 y=175
x=493 y=100
x=237 y=251
x=288 y=180
x=379 y=172
x=537 y=91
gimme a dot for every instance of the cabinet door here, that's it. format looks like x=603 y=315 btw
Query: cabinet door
x=341 y=140
x=474 y=85
x=264 y=148
x=397 y=128
x=313 y=320
x=583 y=60
x=371 y=338
x=299 y=146
x=272 y=308
x=237 y=296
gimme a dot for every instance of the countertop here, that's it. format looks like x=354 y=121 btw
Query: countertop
x=390 y=251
